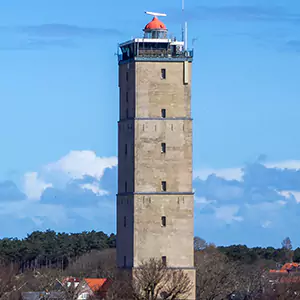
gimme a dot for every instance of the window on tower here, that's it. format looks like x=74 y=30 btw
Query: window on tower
x=127 y=76
x=125 y=263
x=127 y=113
x=125 y=186
x=127 y=97
x=125 y=223
x=163 y=74
x=164 y=260
x=163 y=186
x=126 y=149
x=163 y=147
x=163 y=221
x=163 y=113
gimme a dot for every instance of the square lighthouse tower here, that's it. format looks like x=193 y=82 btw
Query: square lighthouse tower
x=155 y=201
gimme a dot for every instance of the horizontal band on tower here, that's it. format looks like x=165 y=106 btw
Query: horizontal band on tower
x=151 y=59
x=156 y=119
x=157 y=193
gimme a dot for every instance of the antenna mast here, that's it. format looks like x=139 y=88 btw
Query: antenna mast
x=184 y=29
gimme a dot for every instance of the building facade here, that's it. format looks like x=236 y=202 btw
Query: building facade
x=155 y=201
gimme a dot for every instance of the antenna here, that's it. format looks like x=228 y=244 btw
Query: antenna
x=184 y=29
x=155 y=14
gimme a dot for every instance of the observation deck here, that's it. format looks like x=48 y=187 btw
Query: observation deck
x=148 y=49
x=154 y=46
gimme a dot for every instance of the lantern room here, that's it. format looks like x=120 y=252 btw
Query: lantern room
x=155 y=29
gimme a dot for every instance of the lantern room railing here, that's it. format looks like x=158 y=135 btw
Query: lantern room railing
x=156 y=53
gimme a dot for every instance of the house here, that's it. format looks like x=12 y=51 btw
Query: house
x=71 y=281
x=88 y=287
x=83 y=289
x=288 y=273
x=94 y=287
x=287 y=268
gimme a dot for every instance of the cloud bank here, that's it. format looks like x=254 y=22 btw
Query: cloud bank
x=66 y=195
x=257 y=204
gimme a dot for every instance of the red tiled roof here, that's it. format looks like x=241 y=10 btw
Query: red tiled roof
x=289 y=266
x=286 y=268
x=95 y=284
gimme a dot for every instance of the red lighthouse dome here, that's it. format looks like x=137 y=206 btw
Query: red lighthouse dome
x=155 y=24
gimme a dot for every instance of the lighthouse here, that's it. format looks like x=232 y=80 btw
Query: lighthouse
x=155 y=200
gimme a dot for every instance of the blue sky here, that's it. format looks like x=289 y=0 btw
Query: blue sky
x=59 y=112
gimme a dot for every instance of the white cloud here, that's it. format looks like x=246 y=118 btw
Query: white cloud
x=266 y=224
x=202 y=200
x=262 y=199
x=74 y=165
x=34 y=210
x=228 y=213
x=291 y=194
x=228 y=173
x=296 y=195
x=77 y=164
x=94 y=187
x=34 y=186
x=287 y=164
x=61 y=207
x=237 y=173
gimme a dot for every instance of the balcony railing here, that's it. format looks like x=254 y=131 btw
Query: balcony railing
x=152 y=54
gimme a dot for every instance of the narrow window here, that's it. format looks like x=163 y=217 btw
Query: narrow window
x=127 y=113
x=127 y=76
x=163 y=113
x=163 y=221
x=125 y=222
x=163 y=74
x=126 y=96
x=163 y=147
x=163 y=186
x=125 y=186
x=126 y=150
x=164 y=260
x=125 y=263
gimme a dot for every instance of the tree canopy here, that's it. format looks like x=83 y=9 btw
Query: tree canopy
x=51 y=249
x=40 y=249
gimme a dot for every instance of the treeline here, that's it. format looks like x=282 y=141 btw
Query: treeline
x=251 y=255
x=269 y=256
x=50 y=249
x=247 y=255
